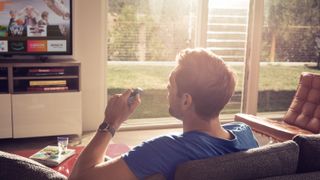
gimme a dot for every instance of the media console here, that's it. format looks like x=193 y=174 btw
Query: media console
x=40 y=99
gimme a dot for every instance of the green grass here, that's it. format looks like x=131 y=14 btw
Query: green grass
x=278 y=79
x=129 y=76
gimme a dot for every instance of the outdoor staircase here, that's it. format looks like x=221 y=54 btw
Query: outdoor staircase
x=226 y=33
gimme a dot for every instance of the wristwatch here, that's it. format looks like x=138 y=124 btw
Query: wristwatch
x=106 y=127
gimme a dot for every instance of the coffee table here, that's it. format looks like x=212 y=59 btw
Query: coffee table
x=66 y=166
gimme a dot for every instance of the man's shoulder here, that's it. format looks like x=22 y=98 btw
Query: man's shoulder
x=237 y=126
x=164 y=139
x=244 y=134
x=162 y=145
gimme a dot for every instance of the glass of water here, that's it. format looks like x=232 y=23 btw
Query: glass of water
x=62 y=144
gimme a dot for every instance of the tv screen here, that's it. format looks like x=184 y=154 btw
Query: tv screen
x=35 y=27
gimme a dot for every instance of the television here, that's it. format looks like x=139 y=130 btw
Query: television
x=35 y=27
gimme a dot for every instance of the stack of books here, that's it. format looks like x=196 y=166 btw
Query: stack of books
x=50 y=155
x=48 y=85
x=46 y=72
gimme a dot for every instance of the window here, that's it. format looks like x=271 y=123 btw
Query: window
x=144 y=37
x=290 y=45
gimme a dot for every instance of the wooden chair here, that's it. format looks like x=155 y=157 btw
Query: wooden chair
x=302 y=117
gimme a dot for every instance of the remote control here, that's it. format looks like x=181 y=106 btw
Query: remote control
x=134 y=94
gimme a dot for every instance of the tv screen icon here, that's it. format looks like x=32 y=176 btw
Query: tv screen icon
x=3 y=46
x=37 y=46
x=17 y=46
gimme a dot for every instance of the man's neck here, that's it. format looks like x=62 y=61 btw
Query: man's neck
x=211 y=127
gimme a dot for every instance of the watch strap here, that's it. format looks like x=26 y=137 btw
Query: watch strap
x=106 y=127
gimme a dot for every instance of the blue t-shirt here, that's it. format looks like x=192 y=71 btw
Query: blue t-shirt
x=163 y=154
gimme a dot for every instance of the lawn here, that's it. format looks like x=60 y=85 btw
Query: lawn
x=276 y=85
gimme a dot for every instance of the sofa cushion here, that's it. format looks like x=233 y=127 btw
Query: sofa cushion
x=14 y=167
x=302 y=176
x=271 y=160
x=158 y=176
x=309 y=156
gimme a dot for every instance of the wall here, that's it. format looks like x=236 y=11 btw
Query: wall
x=89 y=18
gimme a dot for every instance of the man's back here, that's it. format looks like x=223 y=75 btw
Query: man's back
x=163 y=154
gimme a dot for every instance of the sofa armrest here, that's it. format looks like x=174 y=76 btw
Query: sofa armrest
x=272 y=160
x=276 y=129
x=16 y=167
x=309 y=155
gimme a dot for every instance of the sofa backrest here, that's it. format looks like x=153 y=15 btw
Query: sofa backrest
x=271 y=160
x=309 y=155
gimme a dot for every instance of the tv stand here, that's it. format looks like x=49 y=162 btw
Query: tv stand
x=40 y=99
x=43 y=58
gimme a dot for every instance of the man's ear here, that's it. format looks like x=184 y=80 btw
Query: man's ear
x=186 y=101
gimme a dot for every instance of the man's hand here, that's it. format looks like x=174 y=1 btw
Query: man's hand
x=90 y=164
x=118 y=111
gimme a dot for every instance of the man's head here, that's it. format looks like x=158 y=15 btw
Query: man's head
x=13 y=13
x=44 y=15
x=29 y=10
x=203 y=79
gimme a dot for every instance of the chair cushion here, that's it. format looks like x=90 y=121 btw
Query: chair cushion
x=279 y=130
x=272 y=160
x=304 y=111
x=14 y=167
x=309 y=156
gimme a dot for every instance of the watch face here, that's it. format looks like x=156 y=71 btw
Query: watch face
x=103 y=125
x=106 y=127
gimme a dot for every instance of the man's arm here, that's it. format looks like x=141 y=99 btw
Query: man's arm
x=90 y=164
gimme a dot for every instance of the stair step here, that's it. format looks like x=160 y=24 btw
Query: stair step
x=228 y=19
x=226 y=35
x=228 y=24
x=231 y=11
x=226 y=40
x=233 y=58
x=228 y=51
x=226 y=44
x=227 y=27
x=226 y=16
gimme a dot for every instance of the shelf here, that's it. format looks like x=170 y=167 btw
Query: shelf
x=23 y=74
x=4 y=85
x=45 y=77
x=42 y=92
x=3 y=73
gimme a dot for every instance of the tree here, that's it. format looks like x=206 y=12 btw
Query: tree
x=123 y=37
x=147 y=30
x=292 y=25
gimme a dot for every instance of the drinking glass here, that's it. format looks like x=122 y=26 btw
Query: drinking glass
x=62 y=144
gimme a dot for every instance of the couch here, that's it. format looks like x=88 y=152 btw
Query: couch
x=290 y=160
x=14 y=167
x=297 y=159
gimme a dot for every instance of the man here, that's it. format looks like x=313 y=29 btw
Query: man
x=44 y=19
x=199 y=87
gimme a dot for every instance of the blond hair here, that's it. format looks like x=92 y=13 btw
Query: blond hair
x=206 y=78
